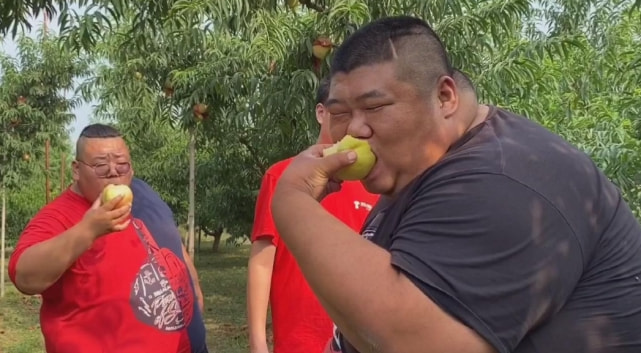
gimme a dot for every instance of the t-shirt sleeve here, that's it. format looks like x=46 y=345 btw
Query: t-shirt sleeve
x=491 y=252
x=45 y=225
x=264 y=227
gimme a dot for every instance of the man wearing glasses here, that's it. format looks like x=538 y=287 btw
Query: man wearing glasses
x=110 y=280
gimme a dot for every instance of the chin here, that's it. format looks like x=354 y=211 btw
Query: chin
x=376 y=186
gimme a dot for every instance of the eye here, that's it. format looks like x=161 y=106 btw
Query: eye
x=374 y=108
x=101 y=168
x=338 y=115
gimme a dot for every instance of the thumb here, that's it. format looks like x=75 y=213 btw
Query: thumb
x=333 y=163
x=96 y=202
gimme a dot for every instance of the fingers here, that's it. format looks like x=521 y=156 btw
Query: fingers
x=111 y=205
x=120 y=218
x=121 y=226
x=317 y=150
x=96 y=202
x=333 y=163
x=119 y=212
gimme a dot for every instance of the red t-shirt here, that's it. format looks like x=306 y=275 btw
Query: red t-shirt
x=300 y=324
x=123 y=295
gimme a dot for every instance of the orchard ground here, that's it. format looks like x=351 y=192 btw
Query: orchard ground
x=223 y=280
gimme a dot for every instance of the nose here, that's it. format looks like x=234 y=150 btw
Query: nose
x=358 y=126
x=112 y=171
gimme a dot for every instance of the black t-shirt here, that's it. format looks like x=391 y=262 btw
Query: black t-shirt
x=521 y=237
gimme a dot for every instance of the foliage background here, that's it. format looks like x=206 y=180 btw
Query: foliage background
x=573 y=66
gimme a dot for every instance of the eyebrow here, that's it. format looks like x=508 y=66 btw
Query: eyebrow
x=105 y=157
x=364 y=96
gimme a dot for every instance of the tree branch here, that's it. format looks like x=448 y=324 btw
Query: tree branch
x=252 y=151
x=216 y=232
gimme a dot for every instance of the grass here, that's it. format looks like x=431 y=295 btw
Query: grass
x=223 y=280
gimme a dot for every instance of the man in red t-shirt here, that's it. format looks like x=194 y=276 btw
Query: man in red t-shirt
x=106 y=284
x=299 y=322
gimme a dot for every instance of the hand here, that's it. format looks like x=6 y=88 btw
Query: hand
x=311 y=173
x=104 y=219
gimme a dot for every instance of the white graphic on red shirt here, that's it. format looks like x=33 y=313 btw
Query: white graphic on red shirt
x=360 y=204
x=161 y=294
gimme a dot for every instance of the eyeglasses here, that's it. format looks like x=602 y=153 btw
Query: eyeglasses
x=102 y=169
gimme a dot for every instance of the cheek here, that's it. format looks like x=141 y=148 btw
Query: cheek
x=337 y=129
x=394 y=138
x=91 y=183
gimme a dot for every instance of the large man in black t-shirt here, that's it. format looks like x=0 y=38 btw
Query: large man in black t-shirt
x=494 y=234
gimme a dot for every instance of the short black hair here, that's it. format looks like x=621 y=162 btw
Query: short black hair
x=322 y=93
x=421 y=56
x=96 y=131
x=100 y=131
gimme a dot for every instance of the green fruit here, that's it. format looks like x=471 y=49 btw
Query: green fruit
x=364 y=161
x=112 y=191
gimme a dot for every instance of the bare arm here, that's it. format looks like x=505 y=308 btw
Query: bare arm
x=356 y=283
x=194 y=277
x=42 y=264
x=259 y=275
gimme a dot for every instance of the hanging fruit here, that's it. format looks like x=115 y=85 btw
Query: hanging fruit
x=201 y=111
x=272 y=67
x=320 y=49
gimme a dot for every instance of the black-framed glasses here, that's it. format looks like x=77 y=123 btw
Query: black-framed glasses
x=102 y=169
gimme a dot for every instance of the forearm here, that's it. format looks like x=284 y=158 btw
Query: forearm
x=199 y=292
x=42 y=264
x=340 y=267
x=259 y=274
x=194 y=278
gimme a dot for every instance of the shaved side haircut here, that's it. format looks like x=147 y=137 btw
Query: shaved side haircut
x=420 y=56
x=94 y=131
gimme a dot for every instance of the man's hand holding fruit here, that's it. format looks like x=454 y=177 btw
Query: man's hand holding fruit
x=320 y=169
x=110 y=212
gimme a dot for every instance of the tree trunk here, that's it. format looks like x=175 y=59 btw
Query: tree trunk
x=192 y=191
x=217 y=233
x=2 y=239
x=216 y=244
x=200 y=233
x=47 y=182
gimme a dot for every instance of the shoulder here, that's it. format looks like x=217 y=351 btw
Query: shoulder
x=67 y=206
x=276 y=169
x=147 y=203
x=139 y=186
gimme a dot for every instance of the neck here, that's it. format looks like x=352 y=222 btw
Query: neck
x=472 y=113
x=74 y=188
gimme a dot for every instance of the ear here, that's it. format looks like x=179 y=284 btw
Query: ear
x=320 y=113
x=75 y=166
x=448 y=96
